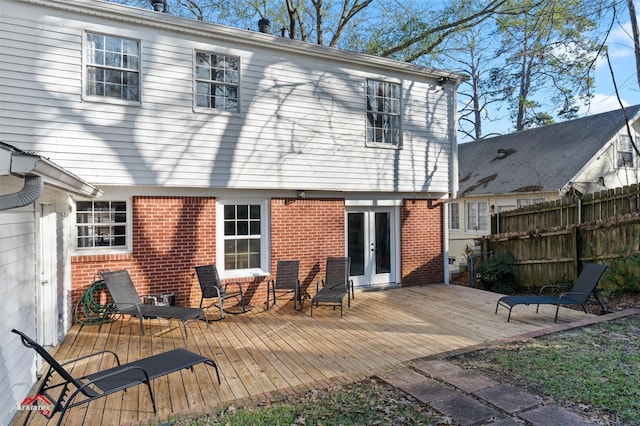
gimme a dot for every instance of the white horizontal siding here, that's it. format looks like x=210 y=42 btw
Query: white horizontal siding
x=17 y=264
x=302 y=121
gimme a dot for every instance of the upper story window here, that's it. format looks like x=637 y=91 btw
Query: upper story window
x=243 y=235
x=477 y=216
x=454 y=216
x=217 y=81
x=626 y=154
x=112 y=67
x=383 y=113
x=101 y=224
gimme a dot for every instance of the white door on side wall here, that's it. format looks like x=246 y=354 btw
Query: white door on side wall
x=371 y=245
x=46 y=283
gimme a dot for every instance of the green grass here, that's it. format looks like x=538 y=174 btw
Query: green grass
x=594 y=369
x=369 y=402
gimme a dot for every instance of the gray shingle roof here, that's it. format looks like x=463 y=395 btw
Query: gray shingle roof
x=541 y=159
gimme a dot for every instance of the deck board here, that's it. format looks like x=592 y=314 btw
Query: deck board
x=268 y=352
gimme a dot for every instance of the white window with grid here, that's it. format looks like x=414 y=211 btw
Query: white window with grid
x=477 y=216
x=217 y=82
x=626 y=154
x=102 y=225
x=243 y=238
x=454 y=216
x=383 y=115
x=112 y=67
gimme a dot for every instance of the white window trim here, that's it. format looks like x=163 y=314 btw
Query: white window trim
x=265 y=240
x=373 y=144
x=618 y=149
x=105 y=250
x=468 y=227
x=449 y=219
x=206 y=110
x=106 y=99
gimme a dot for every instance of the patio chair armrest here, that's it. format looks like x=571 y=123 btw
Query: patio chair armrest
x=106 y=351
x=556 y=287
x=574 y=293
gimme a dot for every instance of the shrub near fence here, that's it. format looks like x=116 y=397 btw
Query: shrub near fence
x=556 y=254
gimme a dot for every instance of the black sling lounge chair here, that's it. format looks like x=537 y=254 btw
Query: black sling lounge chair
x=66 y=391
x=126 y=301
x=286 y=281
x=212 y=287
x=582 y=293
x=336 y=285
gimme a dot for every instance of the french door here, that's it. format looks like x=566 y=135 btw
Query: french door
x=371 y=241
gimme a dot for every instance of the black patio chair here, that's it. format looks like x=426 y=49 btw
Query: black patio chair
x=67 y=391
x=582 y=293
x=212 y=287
x=126 y=301
x=286 y=281
x=336 y=284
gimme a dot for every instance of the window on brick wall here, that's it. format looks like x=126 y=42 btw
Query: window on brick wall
x=102 y=224
x=243 y=243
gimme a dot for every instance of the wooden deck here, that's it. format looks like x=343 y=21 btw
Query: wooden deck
x=270 y=352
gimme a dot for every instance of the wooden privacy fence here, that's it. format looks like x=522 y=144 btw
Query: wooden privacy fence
x=558 y=253
x=596 y=206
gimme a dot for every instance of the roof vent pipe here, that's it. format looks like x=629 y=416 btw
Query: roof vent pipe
x=160 y=6
x=264 y=25
x=30 y=192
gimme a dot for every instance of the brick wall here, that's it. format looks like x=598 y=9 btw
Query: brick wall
x=309 y=230
x=171 y=235
x=174 y=234
x=421 y=241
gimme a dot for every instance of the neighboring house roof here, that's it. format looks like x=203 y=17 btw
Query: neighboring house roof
x=543 y=159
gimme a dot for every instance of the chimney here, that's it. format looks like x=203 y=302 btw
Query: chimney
x=160 y=6
x=264 y=25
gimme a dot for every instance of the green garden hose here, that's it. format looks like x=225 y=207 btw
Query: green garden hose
x=88 y=311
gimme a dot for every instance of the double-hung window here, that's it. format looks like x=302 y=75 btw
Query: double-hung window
x=383 y=113
x=477 y=216
x=454 y=216
x=626 y=153
x=217 y=82
x=112 y=67
x=101 y=224
x=243 y=237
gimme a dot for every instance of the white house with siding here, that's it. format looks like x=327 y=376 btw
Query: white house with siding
x=502 y=173
x=198 y=143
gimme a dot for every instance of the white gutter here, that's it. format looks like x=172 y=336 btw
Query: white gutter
x=37 y=171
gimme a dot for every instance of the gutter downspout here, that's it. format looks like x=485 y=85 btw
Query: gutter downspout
x=29 y=193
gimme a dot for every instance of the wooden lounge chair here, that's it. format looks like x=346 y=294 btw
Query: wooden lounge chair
x=126 y=301
x=335 y=286
x=212 y=287
x=582 y=293
x=286 y=281
x=67 y=391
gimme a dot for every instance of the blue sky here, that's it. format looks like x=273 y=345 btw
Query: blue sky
x=623 y=62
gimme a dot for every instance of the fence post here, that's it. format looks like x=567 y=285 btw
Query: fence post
x=575 y=236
